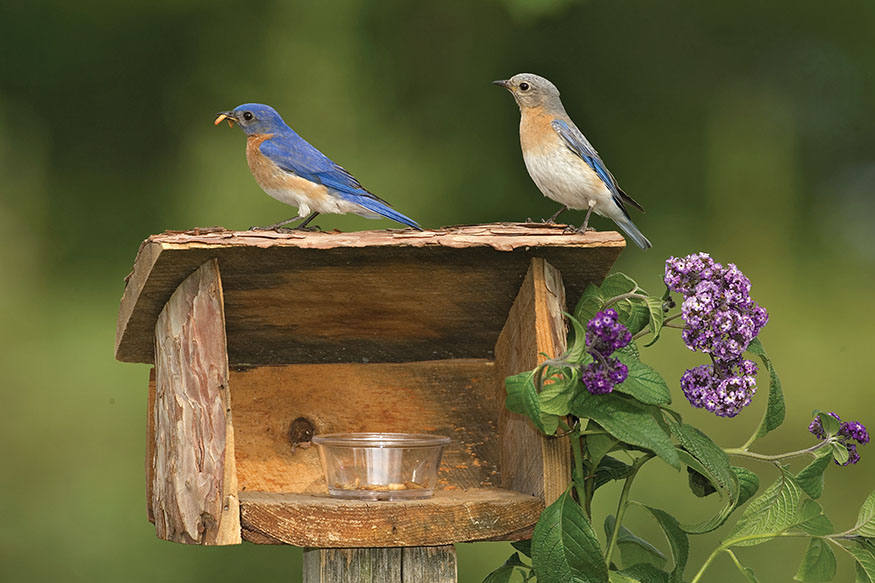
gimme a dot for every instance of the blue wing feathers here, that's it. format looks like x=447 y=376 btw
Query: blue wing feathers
x=294 y=154
x=578 y=143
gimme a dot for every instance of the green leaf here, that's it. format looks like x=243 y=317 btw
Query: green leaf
x=564 y=546
x=768 y=515
x=830 y=424
x=577 y=347
x=775 y=411
x=645 y=573
x=657 y=317
x=506 y=571
x=618 y=284
x=643 y=383
x=748 y=484
x=677 y=540
x=558 y=390
x=819 y=563
x=629 y=351
x=617 y=577
x=709 y=454
x=633 y=549
x=633 y=314
x=590 y=304
x=810 y=478
x=700 y=485
x=608 y=470
x=865 y=562
x=628 y=421
x=523 y=546
x=522 y=398
x=866 y=518
x=812 y=520
x=839 y=453
x=598 y=446
x=728 y=498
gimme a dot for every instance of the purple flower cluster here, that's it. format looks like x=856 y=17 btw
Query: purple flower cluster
x=723 y=388
x=721 y=320
x=604 y=335
x=849 y=432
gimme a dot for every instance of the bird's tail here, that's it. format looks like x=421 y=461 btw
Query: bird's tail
x=633 y=233
x=383 y=210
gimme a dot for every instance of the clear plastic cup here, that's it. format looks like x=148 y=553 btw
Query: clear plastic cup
x=381 y=466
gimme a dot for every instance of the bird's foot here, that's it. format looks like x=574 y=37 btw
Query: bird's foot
x=571 y=229
x=306 y=229
x=279 y=228
x=530 y=221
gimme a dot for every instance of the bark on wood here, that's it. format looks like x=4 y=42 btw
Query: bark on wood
x=408 y=565
x=194 y=489
x=432 y=295
x=531 y=462
x=447 y=517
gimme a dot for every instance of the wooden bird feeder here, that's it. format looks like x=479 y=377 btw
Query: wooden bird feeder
x=393 y=331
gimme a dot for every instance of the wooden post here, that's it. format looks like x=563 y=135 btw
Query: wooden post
x=381 y=565
x=194 y=478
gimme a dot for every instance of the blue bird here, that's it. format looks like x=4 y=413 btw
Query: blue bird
x=562 y=162
x=292 y=171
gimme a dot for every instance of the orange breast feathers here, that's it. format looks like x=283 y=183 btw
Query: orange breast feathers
x=537 y=136
x=280 y=184
x=259 y=164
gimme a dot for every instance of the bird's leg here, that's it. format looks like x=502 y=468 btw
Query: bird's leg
x=301 y=227
x=552 y=220
x=585 y=224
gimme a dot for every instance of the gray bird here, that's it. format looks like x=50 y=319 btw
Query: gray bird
x=562 y=162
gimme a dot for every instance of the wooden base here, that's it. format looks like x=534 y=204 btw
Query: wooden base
x=448 y=517
x=407 y=565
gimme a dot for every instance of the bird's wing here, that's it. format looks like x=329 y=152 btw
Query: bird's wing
x=294 y=154
x=578 y=144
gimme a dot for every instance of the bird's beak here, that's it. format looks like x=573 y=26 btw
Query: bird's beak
x=225 y=115
x=502 y=83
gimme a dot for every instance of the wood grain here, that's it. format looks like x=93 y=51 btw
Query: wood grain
x=449 y=516
x=381 y=565
x=194 y=489
x=372 y=296
x=150 y=444
x=530 y=461
x=449 y=397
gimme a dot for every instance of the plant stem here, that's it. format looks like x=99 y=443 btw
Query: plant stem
x=622 y=504
x=742 y=451
x=626 y=296
x=577 y=452
x=766 y=536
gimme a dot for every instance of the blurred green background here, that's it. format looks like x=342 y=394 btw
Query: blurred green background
x=745 y=128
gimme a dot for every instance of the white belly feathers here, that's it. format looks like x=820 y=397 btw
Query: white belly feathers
x=562 y=176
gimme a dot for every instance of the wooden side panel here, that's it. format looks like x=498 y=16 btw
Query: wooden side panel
x=447 y=517
x=531 y=462
x=408 y=565
x=150 y=444
x=194 y=483
x=447 y=397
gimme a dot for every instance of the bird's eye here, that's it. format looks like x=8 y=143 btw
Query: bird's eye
x=247 y=115
x=524 y=86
